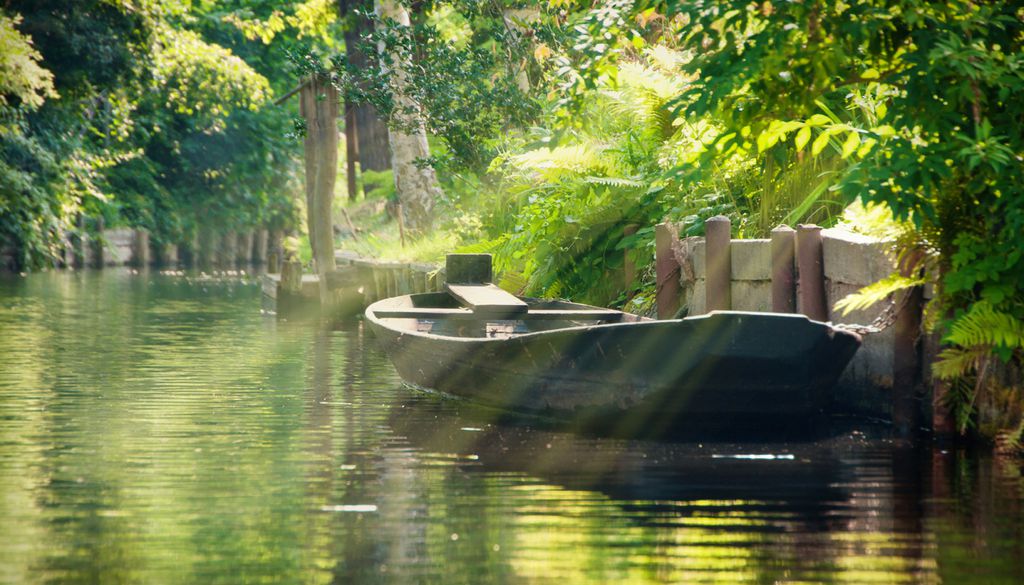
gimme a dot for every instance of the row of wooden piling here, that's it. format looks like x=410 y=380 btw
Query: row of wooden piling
x=351 y=286
x=206 y=250
x=794 y=252
x=798 y=284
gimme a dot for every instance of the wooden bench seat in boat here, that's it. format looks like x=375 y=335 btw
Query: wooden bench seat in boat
x=488 y=300
x=466 y=314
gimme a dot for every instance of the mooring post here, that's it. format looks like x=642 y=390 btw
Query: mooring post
x=140 y=248
x=245 y=247
x=228 y=249
x=666 y=269
x=259 y=251
x=783 y=269
x=811 y=269
x=99 y=244
x=291 y=276
x=907 y=353
x=167 y=255
x=468 y=268
x=276 y=255
x=718 y=263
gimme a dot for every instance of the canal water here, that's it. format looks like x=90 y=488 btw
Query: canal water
x=161 y=429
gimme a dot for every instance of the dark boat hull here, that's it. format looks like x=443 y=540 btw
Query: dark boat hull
x=725 y=364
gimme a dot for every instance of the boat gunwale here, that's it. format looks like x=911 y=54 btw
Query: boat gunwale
x=369 y=314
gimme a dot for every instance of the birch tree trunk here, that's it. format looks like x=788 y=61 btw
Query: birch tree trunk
x=417 y=188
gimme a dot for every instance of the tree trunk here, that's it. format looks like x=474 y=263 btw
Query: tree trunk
x=417 y=187
x=320 y=109
x=371 y=131
x=351 y=150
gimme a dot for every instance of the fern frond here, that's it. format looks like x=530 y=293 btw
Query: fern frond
x=484 y=247
x=514 y=282
x=620 y=182
x=956 y=362
x=877 y=291
x=983 y=326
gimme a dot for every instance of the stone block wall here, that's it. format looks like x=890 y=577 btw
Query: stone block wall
x=850 y=261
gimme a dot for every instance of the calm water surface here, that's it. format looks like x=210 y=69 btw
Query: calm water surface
x=160 y=429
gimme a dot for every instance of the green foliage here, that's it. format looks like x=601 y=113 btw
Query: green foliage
x=877 y=292
x=202 y=80
x=21 y=76
x=931 y=123
x=379 y=184
x=466 y=71
x=162 y=120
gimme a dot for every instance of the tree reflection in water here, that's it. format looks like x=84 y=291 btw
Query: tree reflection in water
x=159 y=429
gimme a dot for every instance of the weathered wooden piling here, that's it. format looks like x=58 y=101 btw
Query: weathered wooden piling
x=811 y=269
x=165 y=254
x=98 y=254
x=275 y=251
x=718 y=260
x=259 y=248
x=228 y=251
x=468 y=268
x=907 y=353
x=666 y=269
x=140 y=249
x=208 y=246
x=291 y=276
x=244 y=251
x=783 y=269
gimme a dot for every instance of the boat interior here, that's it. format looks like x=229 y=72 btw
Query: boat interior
x=486 y=311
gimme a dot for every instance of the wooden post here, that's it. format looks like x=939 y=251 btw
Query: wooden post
x=810 y=265
x=228 y=249
x=167 y=254
x=291 y=276
x=468 y=268
x=783 y=269
x=906 y=354
x=275 y=255
x=718 y=263
x=98 y=245
x=140 y=248
x=667 y=270
x=244 y=252
x=628 y=262
x=259 y=248
x=207 y=248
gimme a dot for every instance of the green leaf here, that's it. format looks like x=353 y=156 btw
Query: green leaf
x=851 y=144
x=802 y=137
x=819 y=143
x=875 y=292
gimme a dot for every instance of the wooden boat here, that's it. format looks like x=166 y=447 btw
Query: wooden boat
x=606 y=368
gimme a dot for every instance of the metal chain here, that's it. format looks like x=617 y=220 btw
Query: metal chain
x=883 y=321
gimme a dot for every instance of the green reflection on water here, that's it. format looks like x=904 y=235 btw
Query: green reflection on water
x=159 y=429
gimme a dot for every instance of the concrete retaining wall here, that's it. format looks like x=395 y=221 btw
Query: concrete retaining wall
x=850 y=261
